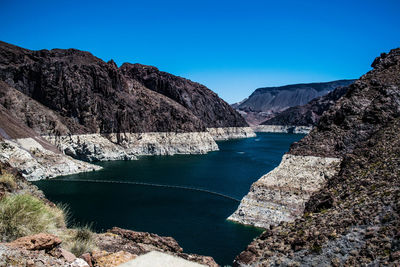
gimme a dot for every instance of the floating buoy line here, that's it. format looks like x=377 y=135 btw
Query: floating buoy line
x=150 y=184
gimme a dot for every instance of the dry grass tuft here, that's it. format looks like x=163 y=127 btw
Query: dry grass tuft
x=23 y=214
x=9 y=180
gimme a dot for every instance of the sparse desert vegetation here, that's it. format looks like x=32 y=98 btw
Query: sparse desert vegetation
x=23 y=214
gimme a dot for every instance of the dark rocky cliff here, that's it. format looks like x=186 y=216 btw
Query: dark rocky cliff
x=308 y=114
x=265 y=103
x=89 y=95
x=353 y=220
x=197 y=98
x=371 y=103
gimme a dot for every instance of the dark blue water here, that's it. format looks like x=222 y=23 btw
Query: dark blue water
x=197 y=220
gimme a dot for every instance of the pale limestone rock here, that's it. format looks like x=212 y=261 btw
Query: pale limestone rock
x=282 y=129
x=160 y=259
x=79 y=263
x=35 y=162
x=281 y=194
x=226 y=133
x=166 y=143
x=126 y=146
x=90 y=147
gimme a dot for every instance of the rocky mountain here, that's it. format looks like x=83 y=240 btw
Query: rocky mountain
x=308 y=114
x=100 y=97
x=265 y=102
x=69 y=101
x=333 y=200
x=202 y=102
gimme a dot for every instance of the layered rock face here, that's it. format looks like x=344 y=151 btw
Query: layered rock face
x=352 y=218
x=70 y=101
x=125 y=146
x=265 y=103
x=282 y=129
x=227 y=133
x=36 y=162
x=281 y=194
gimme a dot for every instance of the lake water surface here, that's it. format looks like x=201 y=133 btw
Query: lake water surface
x=196 y=219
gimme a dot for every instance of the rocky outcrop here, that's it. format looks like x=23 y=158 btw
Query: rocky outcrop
x=353 y=218
x=92 y=96
x=280 y=195
x=282 y=129
x=201 y=101
x=38 y=250
x=226 y=133
x=266 y=103
x=71 y=101
x=36 y=162
x=40 y=241
x=139 y=243
x=307 y=115
x=125 y=146
x=11 y=256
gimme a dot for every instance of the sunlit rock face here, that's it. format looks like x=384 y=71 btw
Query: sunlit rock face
x=282 y=129
x=226 y=133
x=36 y=162
x=126 y=146
x=281 y=194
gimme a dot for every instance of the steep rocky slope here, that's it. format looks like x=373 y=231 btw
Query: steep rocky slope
x=91 y=92
x=265 y=103
x=71 y=101
x=201 y=101
x=352 y=215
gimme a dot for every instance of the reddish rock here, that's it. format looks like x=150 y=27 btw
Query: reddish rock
x=88 y=258
x=37 y=242
x=139 y=243
x=166 y=244
x=68 y=256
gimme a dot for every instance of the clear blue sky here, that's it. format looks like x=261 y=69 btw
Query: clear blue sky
x=232 y=46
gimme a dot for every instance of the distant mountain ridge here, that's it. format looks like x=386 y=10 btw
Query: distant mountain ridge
x=265 y=102
x=308 y=114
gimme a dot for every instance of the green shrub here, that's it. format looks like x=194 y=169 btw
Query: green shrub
x=84 y=233
x=9 y=180
x=80 y=247
x=23 y=214
x=79 y=240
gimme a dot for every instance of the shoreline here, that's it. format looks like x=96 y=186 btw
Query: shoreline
x=44 y=157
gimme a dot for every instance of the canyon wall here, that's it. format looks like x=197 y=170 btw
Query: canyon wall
x=333 y=200
x=76 y=106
